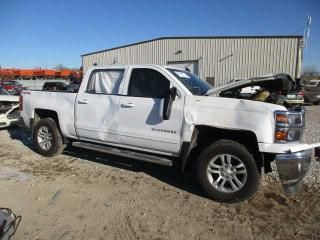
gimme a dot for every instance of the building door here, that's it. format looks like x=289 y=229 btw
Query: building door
x=191 y=66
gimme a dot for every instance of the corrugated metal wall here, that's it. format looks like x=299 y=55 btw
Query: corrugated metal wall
x=221 y=58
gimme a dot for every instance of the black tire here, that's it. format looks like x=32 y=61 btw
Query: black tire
x=57 y=145
x=251 y=180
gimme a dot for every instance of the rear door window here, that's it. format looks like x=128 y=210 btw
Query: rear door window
x=106 y=81
x=145 y=82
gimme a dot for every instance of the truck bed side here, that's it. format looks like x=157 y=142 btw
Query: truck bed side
x=62 y=103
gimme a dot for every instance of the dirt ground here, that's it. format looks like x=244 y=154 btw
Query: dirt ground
x=86 y=195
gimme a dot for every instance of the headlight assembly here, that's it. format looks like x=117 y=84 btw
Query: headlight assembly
x=289 y=126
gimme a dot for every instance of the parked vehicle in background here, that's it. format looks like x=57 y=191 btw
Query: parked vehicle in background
x=9 y=108
x=55 y=86
x=37 y=84
x=296 y=96
x=73 y=87
x=312 y=92
x=11 y=86
x=169 y=116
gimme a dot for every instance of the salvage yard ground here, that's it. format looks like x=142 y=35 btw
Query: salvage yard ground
x=87 y=195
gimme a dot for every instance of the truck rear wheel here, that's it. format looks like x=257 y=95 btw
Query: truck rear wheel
x=47 y=138
x=227 y=172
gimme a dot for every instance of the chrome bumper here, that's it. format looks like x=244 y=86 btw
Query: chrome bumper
x=292 y=167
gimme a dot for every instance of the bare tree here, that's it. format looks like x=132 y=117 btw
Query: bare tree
x=60 y=67
x=310 y=70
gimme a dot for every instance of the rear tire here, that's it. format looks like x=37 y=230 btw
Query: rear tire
x=227 y=172
x=47 y=138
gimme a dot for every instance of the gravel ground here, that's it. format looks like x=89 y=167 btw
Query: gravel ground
x=311 y=135
x=86 y=195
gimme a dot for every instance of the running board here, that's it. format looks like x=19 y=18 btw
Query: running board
x=125 y=153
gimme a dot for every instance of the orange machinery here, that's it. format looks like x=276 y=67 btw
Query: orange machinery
x=39 y=73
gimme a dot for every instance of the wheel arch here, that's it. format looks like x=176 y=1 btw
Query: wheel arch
x=40 y=113
x=204 y=135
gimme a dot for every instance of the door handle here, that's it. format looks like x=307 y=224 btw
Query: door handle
x=127 y=105
x=83 y=101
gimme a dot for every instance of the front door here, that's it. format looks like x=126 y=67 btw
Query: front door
x=140 y=114
x=97 y=107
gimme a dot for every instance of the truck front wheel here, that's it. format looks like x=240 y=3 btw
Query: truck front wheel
x=227 y=172
x=47 y=138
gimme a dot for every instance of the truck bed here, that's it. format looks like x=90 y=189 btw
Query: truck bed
x=60 y=102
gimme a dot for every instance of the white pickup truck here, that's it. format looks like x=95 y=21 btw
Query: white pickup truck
x=169 y=116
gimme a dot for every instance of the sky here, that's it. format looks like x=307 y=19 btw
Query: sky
x=45 y=33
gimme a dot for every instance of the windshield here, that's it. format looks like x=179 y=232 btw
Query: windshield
x=194 y=84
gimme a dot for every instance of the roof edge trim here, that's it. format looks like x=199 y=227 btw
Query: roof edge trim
x=193 y=37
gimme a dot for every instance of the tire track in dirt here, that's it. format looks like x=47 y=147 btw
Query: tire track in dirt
x=124 y=229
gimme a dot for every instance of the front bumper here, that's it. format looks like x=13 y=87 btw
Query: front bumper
x=292 y=167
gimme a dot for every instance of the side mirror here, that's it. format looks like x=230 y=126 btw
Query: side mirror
x=168 y=101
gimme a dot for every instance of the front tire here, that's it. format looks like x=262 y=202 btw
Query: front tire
x=228 y=172
x=47 y=138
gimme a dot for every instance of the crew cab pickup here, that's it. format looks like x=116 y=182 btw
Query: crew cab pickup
x=169 y=116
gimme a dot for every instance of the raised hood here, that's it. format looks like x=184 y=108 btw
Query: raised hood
x=280 y=82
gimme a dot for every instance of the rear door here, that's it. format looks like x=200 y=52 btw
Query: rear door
x=97 y=106
x=141 y=123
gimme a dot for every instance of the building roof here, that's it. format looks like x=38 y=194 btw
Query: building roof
x=194 y=37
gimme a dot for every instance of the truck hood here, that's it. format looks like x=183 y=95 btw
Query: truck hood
x=278 y=82
x=229 y=113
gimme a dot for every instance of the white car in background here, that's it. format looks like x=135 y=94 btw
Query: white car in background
x=9 y=109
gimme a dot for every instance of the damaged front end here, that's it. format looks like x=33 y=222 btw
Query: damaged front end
x=293 y=164
x=9 y=113
x=292 y=168
x=272 y=88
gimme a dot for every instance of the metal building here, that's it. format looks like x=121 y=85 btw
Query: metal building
x=214 y=59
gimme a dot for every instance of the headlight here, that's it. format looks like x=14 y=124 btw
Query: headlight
x=289 y=126
x=289 y=119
